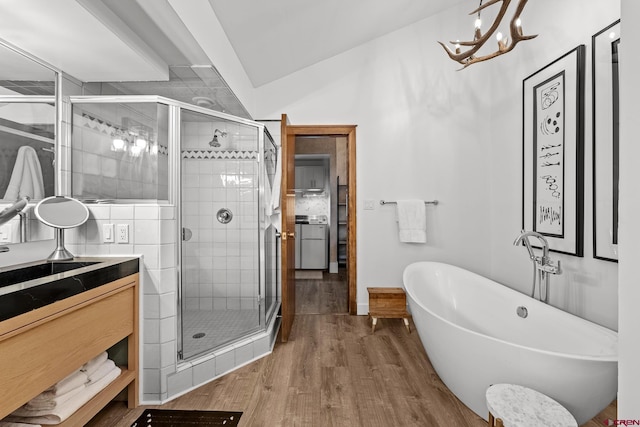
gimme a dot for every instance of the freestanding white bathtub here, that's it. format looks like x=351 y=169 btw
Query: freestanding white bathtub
x=474 y=338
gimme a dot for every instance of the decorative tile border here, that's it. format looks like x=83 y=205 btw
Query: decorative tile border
x=106 y=128
x=220 y=154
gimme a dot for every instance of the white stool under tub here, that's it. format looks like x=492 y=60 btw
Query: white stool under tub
x=512 y=405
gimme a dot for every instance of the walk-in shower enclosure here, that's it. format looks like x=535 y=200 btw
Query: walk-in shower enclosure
x=210 y=176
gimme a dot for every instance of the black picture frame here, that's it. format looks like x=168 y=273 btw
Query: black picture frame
x=553 y=152
x=605 y=123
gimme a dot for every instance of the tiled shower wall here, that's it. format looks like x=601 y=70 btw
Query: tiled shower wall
x=220 y=260
x=153 y=234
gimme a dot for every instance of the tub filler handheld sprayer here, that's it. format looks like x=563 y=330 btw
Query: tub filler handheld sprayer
x=542 y=265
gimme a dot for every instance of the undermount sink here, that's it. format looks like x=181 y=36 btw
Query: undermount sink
x=37 y=271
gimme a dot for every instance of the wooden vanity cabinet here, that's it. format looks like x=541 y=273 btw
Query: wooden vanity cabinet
x=43 y=346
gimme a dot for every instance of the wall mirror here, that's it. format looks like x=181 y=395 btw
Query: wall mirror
x=27 y=136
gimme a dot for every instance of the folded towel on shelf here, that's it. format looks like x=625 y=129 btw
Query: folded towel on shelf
x=412 y=221
x=106 y=367
x=65 y=385
x=92 y=365
x=26 y=178
x=40 y=404
x=64 y=411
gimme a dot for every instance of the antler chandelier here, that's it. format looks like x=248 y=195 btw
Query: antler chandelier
x=468 y=57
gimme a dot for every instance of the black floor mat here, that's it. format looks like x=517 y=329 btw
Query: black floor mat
x=179 y=418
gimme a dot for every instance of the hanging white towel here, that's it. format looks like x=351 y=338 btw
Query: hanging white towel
x=412 y=221
x=268 y=205
x=277 y=183
x=26 y=178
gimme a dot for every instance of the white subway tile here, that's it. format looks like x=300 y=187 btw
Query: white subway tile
x=145 y=232
x=243 y=352
x=99 y=211
x=150 y=255
x=168 y=354
x=151 y=331
x=225 y=361
x=204 y=371
x=121 y=212
x=168 y=305
x=151 y=356
x=167 y=329
x=151 y=306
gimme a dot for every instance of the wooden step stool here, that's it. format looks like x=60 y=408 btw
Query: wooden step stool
x=387 y=303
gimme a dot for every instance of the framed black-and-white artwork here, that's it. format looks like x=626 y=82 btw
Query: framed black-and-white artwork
x=553 y=152
x=606 y=117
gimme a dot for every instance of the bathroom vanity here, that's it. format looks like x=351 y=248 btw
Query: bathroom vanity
x=52 y=324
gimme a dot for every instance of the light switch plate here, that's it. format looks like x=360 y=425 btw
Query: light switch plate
x=369 y=205
x=108 y=234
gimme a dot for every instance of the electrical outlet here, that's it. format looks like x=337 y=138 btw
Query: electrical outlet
x=122 y=233
x=108 y=233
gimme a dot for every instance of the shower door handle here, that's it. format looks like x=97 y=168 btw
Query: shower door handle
x=186 y=234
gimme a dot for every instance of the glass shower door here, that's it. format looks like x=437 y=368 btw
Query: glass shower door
x=220 y=263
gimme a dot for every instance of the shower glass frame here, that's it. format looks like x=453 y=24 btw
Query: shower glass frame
x=175 y=110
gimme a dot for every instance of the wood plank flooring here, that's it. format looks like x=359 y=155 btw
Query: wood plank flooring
x=329 y=295
x=332 y=372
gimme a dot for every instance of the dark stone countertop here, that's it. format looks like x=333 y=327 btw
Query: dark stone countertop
x=33 y=293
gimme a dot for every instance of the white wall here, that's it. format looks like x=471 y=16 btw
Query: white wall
x=418 y=136
x=629 y=288
x=587 y=287
x=428 y=131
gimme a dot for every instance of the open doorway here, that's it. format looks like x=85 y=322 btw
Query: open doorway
x=289 y=134
x=321 y=214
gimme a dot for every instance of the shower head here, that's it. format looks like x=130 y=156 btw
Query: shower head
x=214 y=141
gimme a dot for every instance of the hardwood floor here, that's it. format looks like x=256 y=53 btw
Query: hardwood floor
x=332 y=372
x=326 y=296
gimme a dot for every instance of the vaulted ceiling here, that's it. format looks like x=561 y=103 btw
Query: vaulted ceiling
x=139 y=40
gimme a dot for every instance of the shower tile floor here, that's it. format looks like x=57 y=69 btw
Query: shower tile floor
x=219 y=327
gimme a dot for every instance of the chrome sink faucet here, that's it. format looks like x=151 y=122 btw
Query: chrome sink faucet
x=542 y=265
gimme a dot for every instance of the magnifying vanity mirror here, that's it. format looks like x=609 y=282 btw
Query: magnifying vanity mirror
x=27 y=140
x=61 y=212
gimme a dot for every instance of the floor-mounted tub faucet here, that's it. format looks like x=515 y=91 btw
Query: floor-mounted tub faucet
x=542 y=265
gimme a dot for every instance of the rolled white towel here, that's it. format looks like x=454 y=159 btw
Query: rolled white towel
x=92 y=365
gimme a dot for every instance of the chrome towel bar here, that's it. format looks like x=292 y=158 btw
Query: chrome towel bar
x=426 y=202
